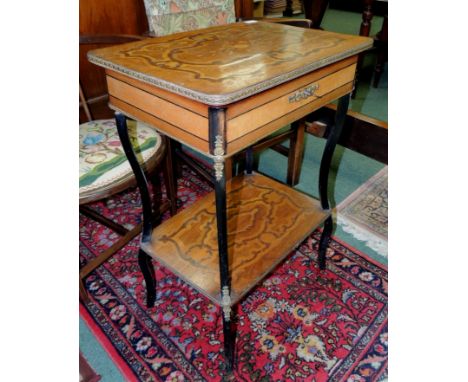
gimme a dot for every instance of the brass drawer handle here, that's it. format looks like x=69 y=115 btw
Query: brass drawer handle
x=303 y=94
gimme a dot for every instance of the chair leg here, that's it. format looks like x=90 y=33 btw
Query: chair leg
x=83 y=293
x=90 y=213
x=296 y=152
x=378 y=69
x=170 y=179
x=177 y=166
x=122 y=242
x=288 y=11
x=382 y=55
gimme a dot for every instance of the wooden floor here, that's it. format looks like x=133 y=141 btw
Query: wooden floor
x=266 y=220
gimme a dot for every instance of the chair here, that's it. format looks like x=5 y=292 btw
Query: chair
x=380 y=40
x=381 y=43
x=314 y=10
x=105 y=171
x=174 y=16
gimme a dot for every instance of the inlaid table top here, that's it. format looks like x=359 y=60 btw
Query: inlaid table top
x=224 y=64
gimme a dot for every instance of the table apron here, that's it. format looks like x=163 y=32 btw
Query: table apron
x=247 y=121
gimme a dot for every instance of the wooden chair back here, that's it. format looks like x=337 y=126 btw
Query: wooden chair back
x=172 y=16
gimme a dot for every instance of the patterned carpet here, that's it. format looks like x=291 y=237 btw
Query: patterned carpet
x=364 y=214
x=300 y=324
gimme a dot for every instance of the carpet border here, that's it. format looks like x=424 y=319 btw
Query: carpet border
x=360 y=253
x=366 y=348
x=357 y=228
x=126 y=371
x=344 y=203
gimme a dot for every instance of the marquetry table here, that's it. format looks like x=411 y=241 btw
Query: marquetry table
x=219 y=90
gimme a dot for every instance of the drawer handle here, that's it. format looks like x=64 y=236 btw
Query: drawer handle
x=303 y=94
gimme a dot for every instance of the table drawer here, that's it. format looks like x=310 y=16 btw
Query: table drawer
x=263 y=119
x=247 y=121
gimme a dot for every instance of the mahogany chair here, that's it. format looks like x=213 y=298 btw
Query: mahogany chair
x=380 y=40
x=381 y=43
x=105 y=171
x=175 y=16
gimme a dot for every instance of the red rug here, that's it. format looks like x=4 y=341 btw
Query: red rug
x=300 y=324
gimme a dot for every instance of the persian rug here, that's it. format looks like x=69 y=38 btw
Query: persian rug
x=364 y=213
x=299 y=324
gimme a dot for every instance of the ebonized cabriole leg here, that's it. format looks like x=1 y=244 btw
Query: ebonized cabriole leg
x=218 y=150
x=221 y=220
x=325 y=163
x=324 y=241
x=144 y=260
x=146 y=266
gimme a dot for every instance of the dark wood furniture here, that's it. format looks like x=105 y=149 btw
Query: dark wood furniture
x=381 y=44
x=244 y=9
x=314 y=10
x=361 y=133
x=159 y=160
x=368 y=9
x=220 y=90
x=364 y=30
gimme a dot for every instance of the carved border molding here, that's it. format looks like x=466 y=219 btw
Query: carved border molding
x=224 y=99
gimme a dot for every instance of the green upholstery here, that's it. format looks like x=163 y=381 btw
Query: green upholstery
x=102 y=160
x=172 y=16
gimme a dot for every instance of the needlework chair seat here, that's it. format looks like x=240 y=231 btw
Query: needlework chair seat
x=104 y=169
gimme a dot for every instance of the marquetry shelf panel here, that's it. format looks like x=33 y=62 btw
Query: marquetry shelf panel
x=266 y=221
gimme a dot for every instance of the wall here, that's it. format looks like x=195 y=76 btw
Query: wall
x=105 y=17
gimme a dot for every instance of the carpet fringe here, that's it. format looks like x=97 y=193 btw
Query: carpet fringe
x=371 y=240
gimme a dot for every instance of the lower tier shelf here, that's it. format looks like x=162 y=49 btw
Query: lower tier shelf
x=266 y=221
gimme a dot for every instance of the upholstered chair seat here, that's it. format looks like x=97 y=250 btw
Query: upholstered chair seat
x=104 y=169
